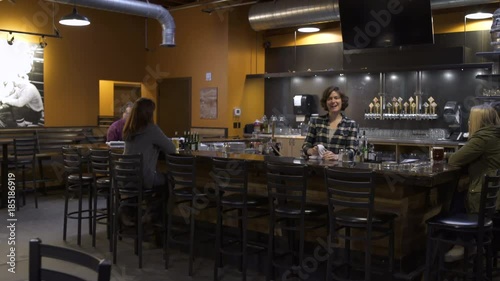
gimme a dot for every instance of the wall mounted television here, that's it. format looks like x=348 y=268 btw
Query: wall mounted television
x=369 y=24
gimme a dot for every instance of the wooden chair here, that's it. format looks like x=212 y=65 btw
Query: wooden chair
x=38 y=273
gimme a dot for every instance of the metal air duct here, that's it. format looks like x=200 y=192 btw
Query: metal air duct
x=288 y=13
x=136 y=8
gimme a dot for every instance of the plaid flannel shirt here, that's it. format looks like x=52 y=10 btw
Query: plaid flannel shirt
x=345 y=136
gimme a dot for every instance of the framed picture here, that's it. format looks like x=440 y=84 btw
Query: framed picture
x=208 y=103
x=21 y=84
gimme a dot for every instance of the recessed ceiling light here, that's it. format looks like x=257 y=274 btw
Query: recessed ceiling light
x=308 y=29
x=479 y=16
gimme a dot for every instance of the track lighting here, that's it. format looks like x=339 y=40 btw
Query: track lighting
x=10 y=40
x=42 y=43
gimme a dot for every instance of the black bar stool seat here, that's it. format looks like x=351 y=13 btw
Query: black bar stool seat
x=356 y=216
x=459 y=221
x=293 y=209
x=237 y=200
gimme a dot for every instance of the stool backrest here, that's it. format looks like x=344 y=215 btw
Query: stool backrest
x=231 y=177
x=489 y=194
x=350 y=188
x=181 y=172
x=38 y=250
x=25 y=148
x=286 y=184
x=73 y=160
x=126 y=172
x=99 y=162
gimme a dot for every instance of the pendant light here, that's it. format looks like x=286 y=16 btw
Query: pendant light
x=74 y=19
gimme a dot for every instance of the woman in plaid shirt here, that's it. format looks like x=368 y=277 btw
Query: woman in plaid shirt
x=333 y=130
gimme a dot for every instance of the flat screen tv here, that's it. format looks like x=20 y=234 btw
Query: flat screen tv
x=368 y=24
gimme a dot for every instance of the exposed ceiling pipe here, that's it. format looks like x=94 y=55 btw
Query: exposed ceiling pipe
x=136 y=8
x=288 y=13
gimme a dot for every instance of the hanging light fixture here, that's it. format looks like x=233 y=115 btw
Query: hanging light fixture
x=74 y=19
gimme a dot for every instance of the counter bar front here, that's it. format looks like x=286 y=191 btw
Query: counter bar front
x=414 y=192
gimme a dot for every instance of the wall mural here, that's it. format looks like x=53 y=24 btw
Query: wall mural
x=21 y=84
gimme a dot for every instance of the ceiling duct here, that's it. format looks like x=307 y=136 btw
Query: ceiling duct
x=136 y=8
x=288 y=13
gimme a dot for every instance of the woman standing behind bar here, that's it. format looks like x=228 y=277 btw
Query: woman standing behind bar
x=141 y=135
x=481 y=154
x=332 y=130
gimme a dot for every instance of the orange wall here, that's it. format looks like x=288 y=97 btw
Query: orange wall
x=201 y=46
x=206 y=43
x=246 y=56
x=111 y=48
x=106 y=98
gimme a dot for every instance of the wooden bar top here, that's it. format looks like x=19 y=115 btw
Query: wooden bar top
x=420 y=173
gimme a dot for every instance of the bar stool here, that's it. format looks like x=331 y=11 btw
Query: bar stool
x=231 y=189
x=77 y=182
x=99 y=164
x=129 y=191
x=472 y=231
x=350 y=194
x=183 y=195
x=287 y=186
x=24 y=160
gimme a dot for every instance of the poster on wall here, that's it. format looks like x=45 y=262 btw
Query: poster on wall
x=21 y=84
x=208 y=103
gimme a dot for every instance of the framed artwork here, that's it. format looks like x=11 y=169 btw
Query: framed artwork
x=208 y=103
x=21 y=84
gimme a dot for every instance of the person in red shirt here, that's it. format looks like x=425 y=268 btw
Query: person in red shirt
x=115 y=130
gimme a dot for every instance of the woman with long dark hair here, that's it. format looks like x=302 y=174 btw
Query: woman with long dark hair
x=141 y=135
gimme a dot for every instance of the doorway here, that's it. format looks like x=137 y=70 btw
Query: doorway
x=174 y=105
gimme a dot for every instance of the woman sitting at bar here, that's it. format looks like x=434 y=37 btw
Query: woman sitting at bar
x=334 y=130
x=141 y=135
x=479 y=156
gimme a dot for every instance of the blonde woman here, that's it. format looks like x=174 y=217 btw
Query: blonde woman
x=480 y=155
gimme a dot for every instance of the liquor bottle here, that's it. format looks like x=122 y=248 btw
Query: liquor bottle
x=265 y=124
x=196 y=141
x=364 y=146
x=184 y=141
x=188 y=140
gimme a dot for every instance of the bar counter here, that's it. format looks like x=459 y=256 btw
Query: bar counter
x=413 y=192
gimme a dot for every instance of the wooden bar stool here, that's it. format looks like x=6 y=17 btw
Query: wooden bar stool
x=350 y=194
x=472 y=231
x=289 y=211
x=77 y=184
x=231 y=190
x=185 y=197
x=99 y=164
x=129 y=191
x=24 y=160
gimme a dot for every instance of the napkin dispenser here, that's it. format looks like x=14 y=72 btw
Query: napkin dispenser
x=302 y=104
